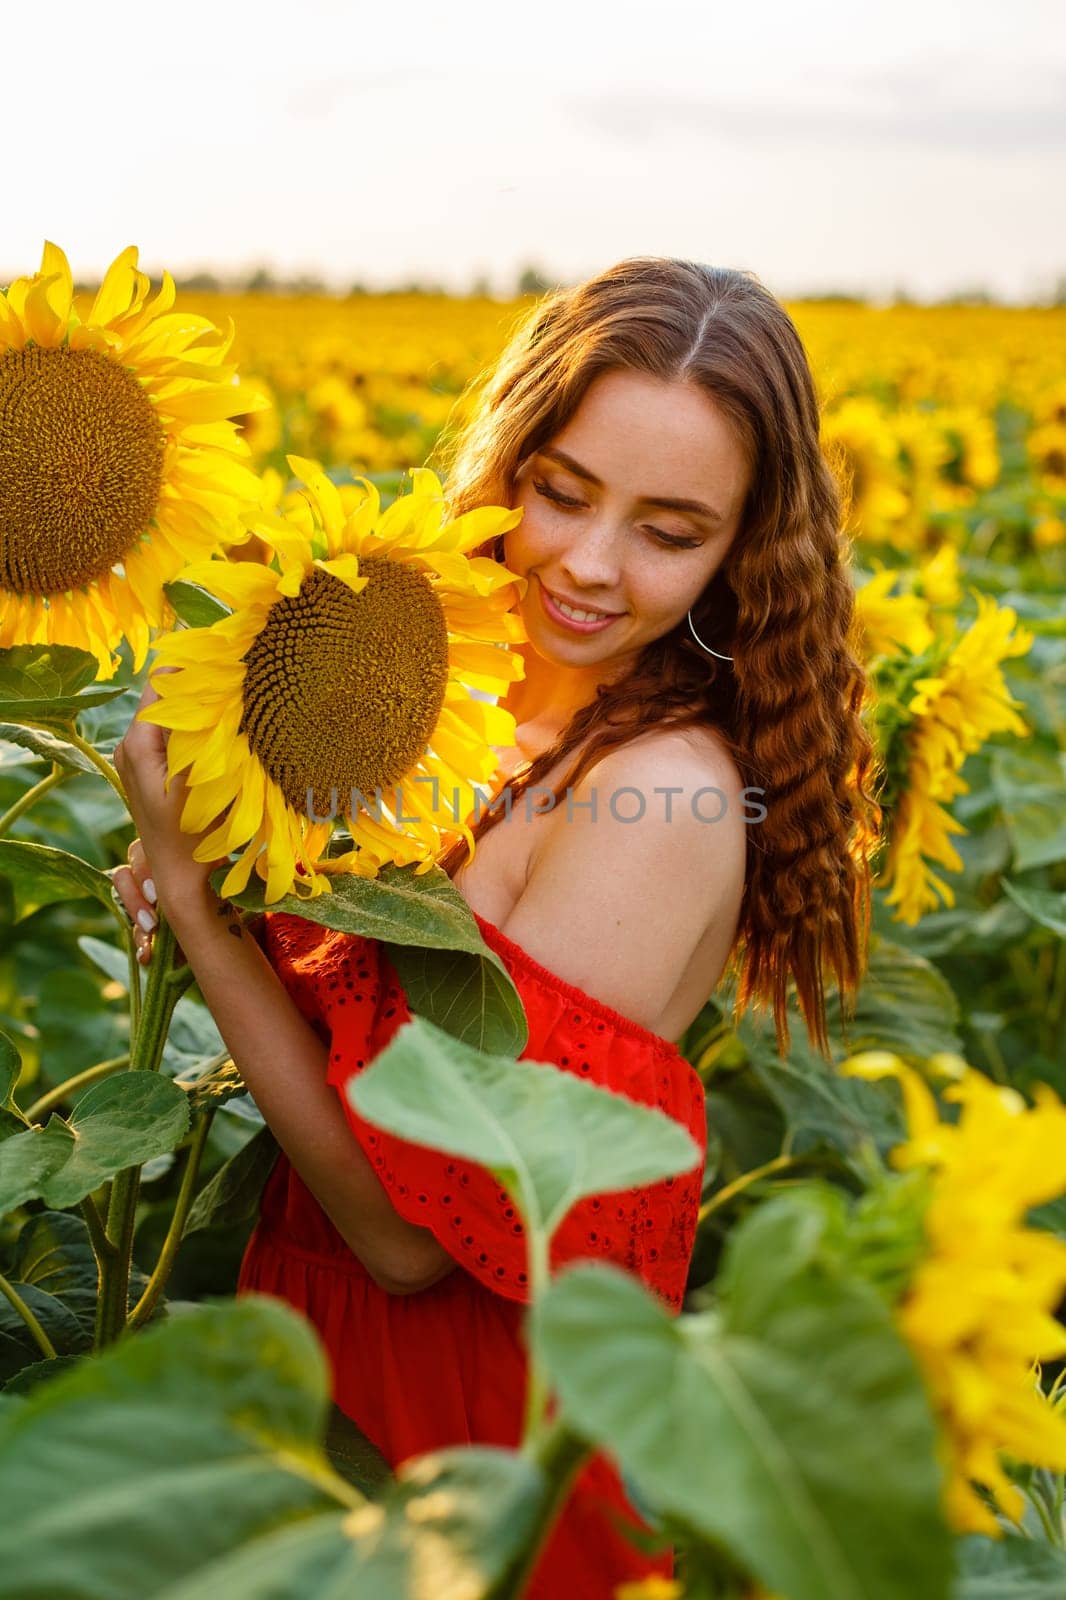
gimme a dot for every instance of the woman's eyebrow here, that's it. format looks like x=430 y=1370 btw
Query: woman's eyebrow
x=665 y=502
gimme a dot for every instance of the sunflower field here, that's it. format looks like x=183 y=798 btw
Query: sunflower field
x=864 y=1396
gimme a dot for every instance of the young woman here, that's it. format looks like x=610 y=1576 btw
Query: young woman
x=692 y=704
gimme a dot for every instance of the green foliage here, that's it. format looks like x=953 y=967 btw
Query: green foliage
x=449 y=974
x=194 y=605
x=49 y=684
x=548 y=1137
x=40 y=875
x=118 y=1123
x=822 y=1478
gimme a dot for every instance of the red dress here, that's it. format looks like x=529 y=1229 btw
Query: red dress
x=446 y=1365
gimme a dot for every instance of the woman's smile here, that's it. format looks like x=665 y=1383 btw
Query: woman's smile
x=574 y=617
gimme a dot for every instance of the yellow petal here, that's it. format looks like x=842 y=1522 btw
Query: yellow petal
x=118 y=288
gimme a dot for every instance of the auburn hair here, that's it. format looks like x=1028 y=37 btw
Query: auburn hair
x=791 y=708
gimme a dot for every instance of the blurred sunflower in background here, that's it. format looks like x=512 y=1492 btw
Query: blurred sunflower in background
x=950 y=712
x=118 y=459
x=340 y=681
x=863 y=452
x=978 y=1298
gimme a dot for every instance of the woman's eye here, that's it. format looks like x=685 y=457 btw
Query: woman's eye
x=558 y=499
x=670 y=539
x=553 y=494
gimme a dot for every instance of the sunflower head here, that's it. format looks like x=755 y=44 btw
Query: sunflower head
x=338 y=687
x=118 y=461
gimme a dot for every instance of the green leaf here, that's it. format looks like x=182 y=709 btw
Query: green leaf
x=232 y=1195
x=351 y=1453
x=49 y=683
x=41 y=875
x=11 y=1118
x=1043 y=905
x=311 y=1559
x=452 y=1529
x=790 y=1427
x=38 y=1372
x=195 y=606
x=472 y=997
x=904 y=1004
x=46 y=744
x=822 y=1110
x=449 y=973
x=54 y=1253
x=1030 y=786
x=19 y=1349
x=549 y=1137
x=1010 y=1569
x=28 y=1160
x=112 y=961
x=118 y=1123
x=38 y=670
x=140 y=1469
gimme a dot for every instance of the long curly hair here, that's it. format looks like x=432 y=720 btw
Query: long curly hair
x=791 y=709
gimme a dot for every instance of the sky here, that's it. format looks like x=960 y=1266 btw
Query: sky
x=826 y=147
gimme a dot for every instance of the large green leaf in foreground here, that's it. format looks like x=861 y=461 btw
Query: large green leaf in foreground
x=550 y=1137
x=791 y=1427
x=140 y=1467
x=186 y=1464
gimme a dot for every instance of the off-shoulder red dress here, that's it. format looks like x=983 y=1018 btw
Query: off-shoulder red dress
x=446 y=1365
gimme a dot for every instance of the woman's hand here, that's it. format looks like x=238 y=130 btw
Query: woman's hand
x=160 y=869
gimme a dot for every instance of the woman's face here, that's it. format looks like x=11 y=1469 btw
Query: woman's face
x=604 y=526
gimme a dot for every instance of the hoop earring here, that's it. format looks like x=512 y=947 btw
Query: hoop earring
x=700 y=642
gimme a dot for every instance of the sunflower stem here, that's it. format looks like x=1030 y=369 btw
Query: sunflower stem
x=746 y=1179
x=17 y=1304
x=134 y=986
x=535 y=1424
x=69 y=1086
x=176 y=1230
x=102 y=1246
x=33 y=794
x=101 y=763
x=160 y=997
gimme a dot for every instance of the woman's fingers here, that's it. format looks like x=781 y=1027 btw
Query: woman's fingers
x=137 y=895
x=141 y=871
x=130 y=884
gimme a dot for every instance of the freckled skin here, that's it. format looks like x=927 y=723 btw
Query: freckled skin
x=642 y=439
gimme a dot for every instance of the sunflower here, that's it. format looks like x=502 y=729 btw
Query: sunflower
x=979 y=1302
x=117 y=462
x=952 y=714
x=864 y=454
x=339 y=684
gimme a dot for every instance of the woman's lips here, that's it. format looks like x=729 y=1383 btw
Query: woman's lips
x=553 y=614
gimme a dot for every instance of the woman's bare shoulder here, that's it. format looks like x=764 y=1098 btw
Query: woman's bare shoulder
x=700 y=752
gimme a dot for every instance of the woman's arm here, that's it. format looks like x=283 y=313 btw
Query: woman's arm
x=278 y=1053
x=283 y=1061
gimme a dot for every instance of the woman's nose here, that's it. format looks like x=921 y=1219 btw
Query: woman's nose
x=593 y=559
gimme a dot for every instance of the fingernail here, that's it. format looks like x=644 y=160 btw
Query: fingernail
x=149 y=890
x=147 y=920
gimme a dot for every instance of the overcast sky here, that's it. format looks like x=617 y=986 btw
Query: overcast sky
x=825 y=146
